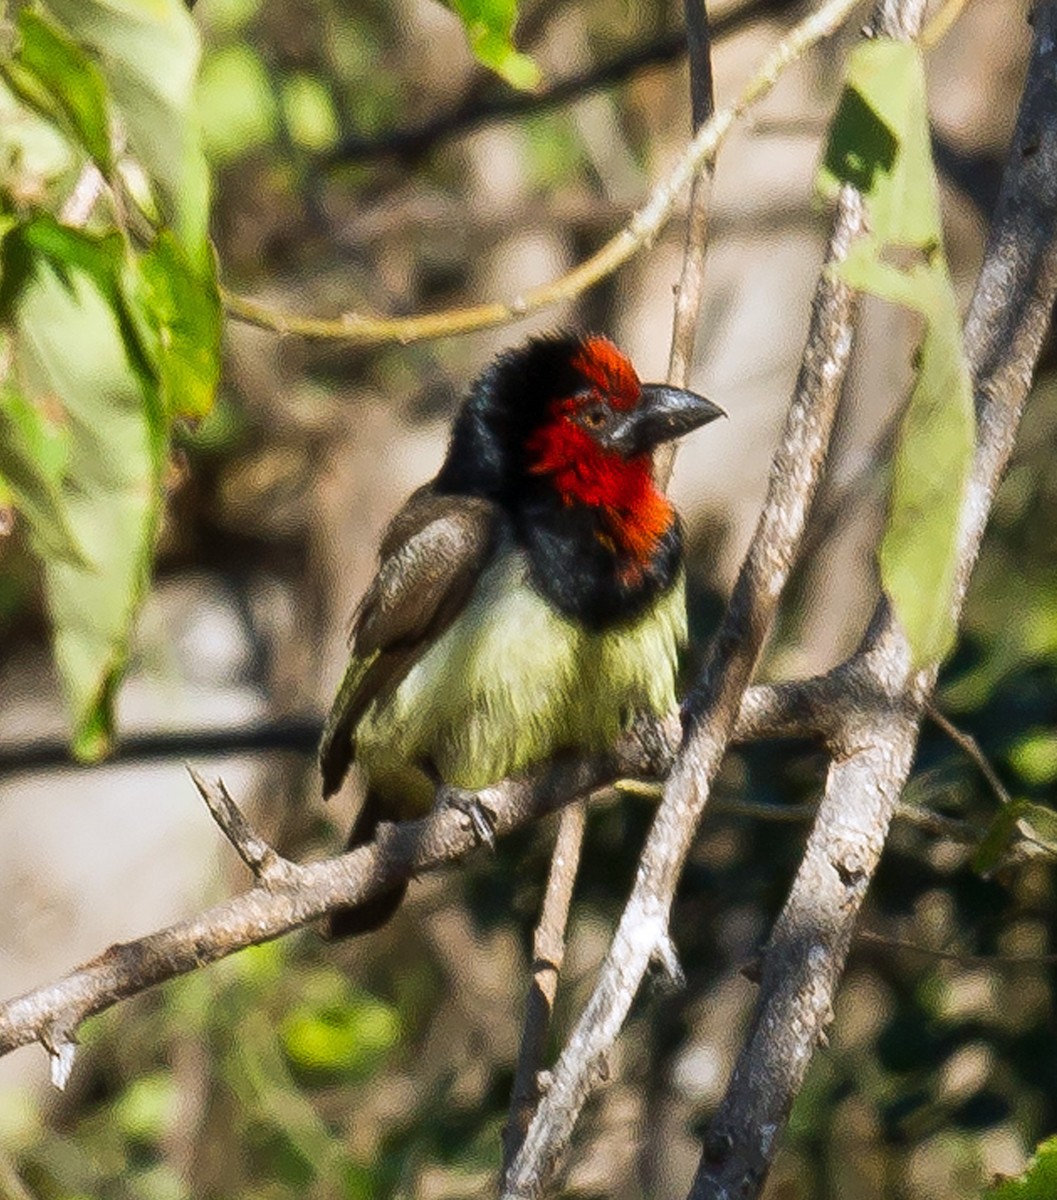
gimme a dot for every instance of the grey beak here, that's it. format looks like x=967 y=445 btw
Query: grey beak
x=662 y=414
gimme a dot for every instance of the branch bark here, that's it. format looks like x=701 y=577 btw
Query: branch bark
x=802 y=965
x=548 y=954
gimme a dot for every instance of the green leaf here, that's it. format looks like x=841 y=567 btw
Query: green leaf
x=999 y=835
x=879 y=143
x=148 y=51
x=1039 y=1181
x=1004 y=828
x=340 y=1037
x=309 y=112
x=54 y=74
x=236 y=102
x=1034 y=756
x=33 y=453
x=184 y=313
x=489 y=26
x=76 y=352
x=930 y=470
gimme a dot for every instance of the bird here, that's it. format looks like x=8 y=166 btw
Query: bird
x=529 y=600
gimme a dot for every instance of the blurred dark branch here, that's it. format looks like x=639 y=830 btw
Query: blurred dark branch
x=286 y=735
x=473 y=110
x=805 y=957
x=785 y=710
x=365 y=329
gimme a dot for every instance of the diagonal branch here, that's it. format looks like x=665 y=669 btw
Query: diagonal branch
x=471 y=112
x=803 y=963
x=360 y=329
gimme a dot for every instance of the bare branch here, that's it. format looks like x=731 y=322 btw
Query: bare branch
x=52 y=1014
x=691 y=284
x=267 y=866
x=548 y=954
x=971 y=747
x=361 y=329
x=802 y=965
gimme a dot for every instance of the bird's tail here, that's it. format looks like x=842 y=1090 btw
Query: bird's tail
x=371 y=914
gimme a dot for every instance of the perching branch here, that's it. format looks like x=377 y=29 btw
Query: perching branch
x=804 y=960
x=53 y=1013
x=360 y=329
x=288 y=895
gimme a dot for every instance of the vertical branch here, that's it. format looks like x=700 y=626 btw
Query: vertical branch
x=549 y=938
x=690 y=288
x=548 y=954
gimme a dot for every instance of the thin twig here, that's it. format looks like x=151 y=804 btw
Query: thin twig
x=266 y=864
x=548 y=954
x=690 y=289
x=971 y=746
x=361 y=329
x=959 y=956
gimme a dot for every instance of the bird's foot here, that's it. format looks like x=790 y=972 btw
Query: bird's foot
x=468 y=803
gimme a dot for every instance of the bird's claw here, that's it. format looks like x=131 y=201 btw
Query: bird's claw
x=467 y=803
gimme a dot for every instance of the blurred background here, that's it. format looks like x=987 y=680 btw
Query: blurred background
x=364 y=161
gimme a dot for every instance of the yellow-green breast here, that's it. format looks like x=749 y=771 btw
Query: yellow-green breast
x=512 y=681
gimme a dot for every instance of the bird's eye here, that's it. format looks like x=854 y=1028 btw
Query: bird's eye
x=593 y=416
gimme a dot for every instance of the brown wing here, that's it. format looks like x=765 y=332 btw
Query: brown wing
x=431 y=556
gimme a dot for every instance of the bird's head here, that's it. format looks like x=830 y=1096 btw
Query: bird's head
x=568 y=412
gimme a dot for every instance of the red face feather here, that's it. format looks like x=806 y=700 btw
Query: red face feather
x=609 y=370
x=636 y=515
